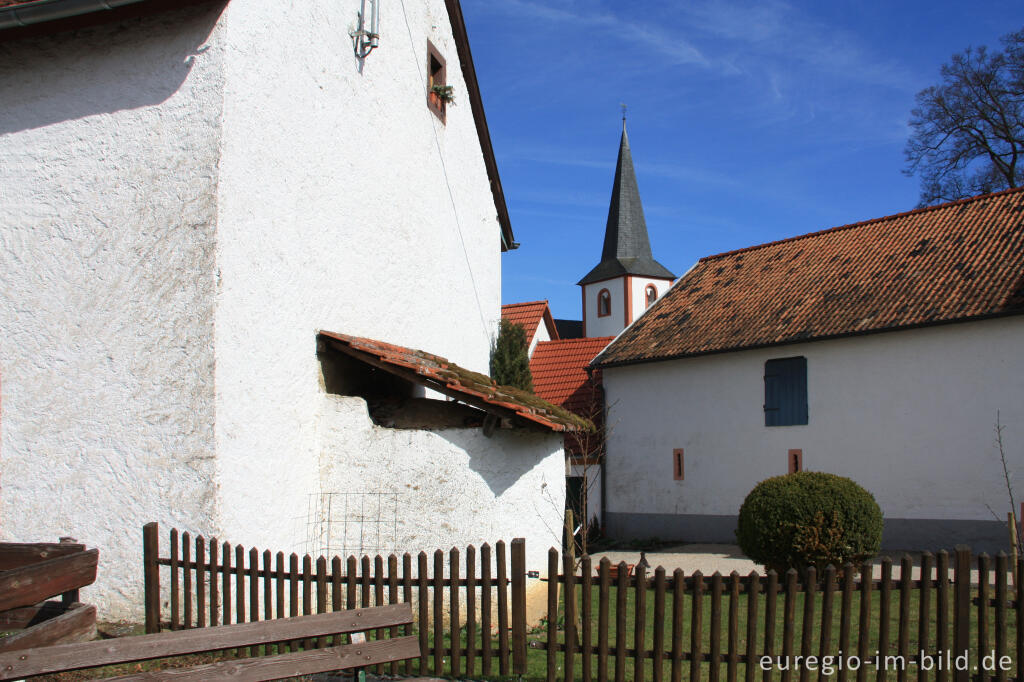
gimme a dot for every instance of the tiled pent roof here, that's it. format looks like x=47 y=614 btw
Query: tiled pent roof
x=958 y=261
x=559 y=370
x=530 y=316
x=461 y=384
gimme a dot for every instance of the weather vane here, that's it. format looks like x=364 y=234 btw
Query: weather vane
x=623 y=105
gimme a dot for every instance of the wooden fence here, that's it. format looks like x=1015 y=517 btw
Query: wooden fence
x=670 y=626
x=211 y=583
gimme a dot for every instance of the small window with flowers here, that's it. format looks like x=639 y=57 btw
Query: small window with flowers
x=439 y=93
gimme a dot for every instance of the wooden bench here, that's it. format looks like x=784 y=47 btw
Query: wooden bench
x=65 y=657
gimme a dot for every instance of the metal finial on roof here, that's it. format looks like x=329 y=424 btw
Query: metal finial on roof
x=623 y=105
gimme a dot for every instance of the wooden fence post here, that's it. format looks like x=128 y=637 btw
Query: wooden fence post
x=962 y=608
x=518 y=606
x=151 y=575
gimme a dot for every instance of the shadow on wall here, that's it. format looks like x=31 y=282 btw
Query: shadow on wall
x=102 y=69
x=504 y=458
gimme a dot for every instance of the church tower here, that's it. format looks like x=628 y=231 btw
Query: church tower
x=628 y=279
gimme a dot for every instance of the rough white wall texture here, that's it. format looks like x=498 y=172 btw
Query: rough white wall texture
x=109 y=141
x=612 y=324
x=456 y=487
x=909 y=415
x=187 y=199
x=345 y=205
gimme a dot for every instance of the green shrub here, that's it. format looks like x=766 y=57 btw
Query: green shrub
x=510 y=357
x=809 y=518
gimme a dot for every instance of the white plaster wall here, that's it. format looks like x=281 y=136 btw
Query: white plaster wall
x=456 y=486
x=541 y=334
x=592 y=472
x=638 y=293
x=345 y=205
x=609 y=325
x=909 y=415
x=108 y=156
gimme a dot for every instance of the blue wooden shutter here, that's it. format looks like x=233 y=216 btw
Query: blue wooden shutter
x=785 y=392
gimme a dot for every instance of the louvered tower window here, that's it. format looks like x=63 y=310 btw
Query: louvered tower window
x=785 y=392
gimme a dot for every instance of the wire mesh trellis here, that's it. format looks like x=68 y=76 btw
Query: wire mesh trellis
x=352 y=523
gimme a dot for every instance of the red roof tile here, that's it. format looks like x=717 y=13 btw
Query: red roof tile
x=958 y=261
x=529 y=316
x=559 y=372
x=461 y=384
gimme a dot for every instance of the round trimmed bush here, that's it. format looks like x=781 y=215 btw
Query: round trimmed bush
x=809 y=518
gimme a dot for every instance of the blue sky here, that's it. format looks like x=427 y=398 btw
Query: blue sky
x=748 y=121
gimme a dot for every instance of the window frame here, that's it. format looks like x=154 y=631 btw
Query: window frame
x=650 y=295
x=435 y=103
x=604 y=296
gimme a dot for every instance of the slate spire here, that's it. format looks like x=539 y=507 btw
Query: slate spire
x=627 y=248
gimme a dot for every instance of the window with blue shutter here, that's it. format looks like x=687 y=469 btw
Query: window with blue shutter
x=785 y=392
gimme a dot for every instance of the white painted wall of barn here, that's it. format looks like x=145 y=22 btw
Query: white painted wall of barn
x=909 y=415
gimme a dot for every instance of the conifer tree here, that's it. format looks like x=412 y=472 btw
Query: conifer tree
x=510 y=359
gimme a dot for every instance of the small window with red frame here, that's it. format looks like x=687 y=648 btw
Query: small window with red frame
x=604 y=303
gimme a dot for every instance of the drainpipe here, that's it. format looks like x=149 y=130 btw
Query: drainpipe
x=39 y=11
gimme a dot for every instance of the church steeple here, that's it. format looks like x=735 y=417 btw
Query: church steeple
x=628 y=279
x=627 y=248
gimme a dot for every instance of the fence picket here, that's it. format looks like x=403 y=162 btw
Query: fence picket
x=864 y=633
x=806 y=637
x=827 y=597
x=789 y=624
x=453 y=612
x=407 y=594
x=485 y=609
x=471 y=630
x=393 y=599
x=175 y=614
x=586 y=612
x=658 y=641
x=770 y=603
x=1001 y=568
x=279 y=580
x=696 y=625
x=906 y=582
x=942 y=608
x=321 y=595
x=186 y=557
x=639 y=621
x=678 y=592
x=293 y=592
x=201 y=581
x=378 y=600
x=846 y=616
x=240 y=591
x=337 y=594
x=603 y=597
x=438 y=612
x=552 y=631
x=924 y=612
x=620 y=622
x=503 y=648
x=225 y=574
x=884 y=602
x=983 y=599
x=732 y=645
x=753 y=587
x=421 y=578
x=569 y=603
x=715 y=642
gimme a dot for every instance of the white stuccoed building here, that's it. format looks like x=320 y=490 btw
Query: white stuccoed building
x=881 y=351
x=191 y=192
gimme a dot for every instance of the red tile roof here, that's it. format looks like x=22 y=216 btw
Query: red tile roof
x=529 y=316
x=461 y=384
x=559 y=372
x=958 y=261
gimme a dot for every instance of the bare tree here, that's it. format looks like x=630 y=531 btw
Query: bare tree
x=586 y=450
x=967 y=133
